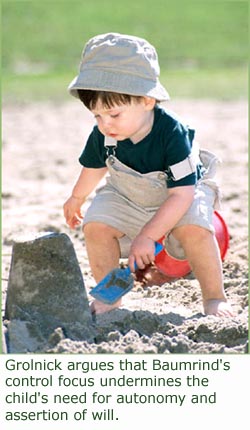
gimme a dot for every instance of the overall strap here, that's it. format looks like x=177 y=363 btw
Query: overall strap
x=186 y=166
x=110 y=144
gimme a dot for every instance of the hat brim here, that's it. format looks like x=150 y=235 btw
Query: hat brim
x=90 y=79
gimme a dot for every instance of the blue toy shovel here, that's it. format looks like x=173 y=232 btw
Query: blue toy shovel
x=117 y=283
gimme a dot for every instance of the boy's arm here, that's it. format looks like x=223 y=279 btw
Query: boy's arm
x=85 y=184
x=170 y=212
x=87 y=181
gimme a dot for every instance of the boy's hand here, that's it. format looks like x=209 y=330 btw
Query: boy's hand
x=142 y=252
x=72 y=211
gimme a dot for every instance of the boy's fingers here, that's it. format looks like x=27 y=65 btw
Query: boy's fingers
x=71 y=221
x=139 y=262
x=79 y=214
x=131 y=263
x=147 y=259
x=75 y=221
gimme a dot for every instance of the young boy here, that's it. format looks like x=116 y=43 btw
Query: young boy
x=158 y=183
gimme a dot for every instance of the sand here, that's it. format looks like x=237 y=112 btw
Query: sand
x=41 y=145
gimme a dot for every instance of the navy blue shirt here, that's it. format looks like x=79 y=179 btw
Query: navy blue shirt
x=168 y=143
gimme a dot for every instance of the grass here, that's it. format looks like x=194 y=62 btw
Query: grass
x=215 y=84
x=202 y=45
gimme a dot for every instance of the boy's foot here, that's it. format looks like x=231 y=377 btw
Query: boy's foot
x=151 y=276
x=98 y=307
x=218 y=307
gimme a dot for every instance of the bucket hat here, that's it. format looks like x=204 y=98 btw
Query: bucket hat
x=119 y=63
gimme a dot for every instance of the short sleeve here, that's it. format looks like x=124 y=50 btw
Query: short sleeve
x=179 y=148
x=94 y=154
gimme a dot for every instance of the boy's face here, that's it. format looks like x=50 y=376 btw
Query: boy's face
x=128 y=121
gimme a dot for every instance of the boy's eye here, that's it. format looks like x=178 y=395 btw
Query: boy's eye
x=115 y=115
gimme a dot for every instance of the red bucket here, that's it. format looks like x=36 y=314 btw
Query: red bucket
x=174 y=268
x=221 y=234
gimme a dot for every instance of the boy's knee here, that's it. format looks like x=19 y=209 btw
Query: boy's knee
x=186 y=232
x=94 y=229
x=98 y=230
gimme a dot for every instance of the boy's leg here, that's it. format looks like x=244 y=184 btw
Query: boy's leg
x=103 y=249
x=201 y=250
x=102 y=243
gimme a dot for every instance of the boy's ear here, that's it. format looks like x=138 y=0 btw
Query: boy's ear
x=149 y=103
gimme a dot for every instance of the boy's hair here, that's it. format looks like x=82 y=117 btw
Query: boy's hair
x=106 y=98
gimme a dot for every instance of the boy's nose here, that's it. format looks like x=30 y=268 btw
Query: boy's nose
x=107 y=125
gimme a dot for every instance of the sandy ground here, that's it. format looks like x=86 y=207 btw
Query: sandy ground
x=41 y=145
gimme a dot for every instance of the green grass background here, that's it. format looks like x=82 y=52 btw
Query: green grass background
x=202 y=45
